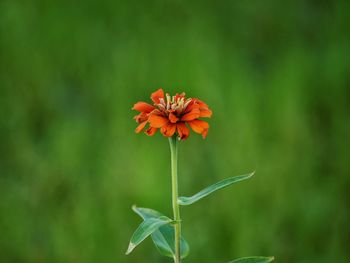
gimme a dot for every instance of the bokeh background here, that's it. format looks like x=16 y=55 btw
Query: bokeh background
x=276 y=75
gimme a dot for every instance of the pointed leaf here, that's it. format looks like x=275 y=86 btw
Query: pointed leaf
x=253 y=260
x=164 y=237
x=146 y=228
x=182 y=200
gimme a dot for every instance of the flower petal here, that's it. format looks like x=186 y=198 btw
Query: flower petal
x=199 y=126
x=201 y=103
x=143 y=107
x=205 y=113
x=151 y=131
x=168 y=129
x=190 y=105
x=141 y=117
x=155 y=96
x=173 y=118
x=182 y=130
x=140 y=127
x=157 y=121
x=204 y=133
x=193 y=114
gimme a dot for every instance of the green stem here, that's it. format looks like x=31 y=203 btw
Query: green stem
x=173 y=149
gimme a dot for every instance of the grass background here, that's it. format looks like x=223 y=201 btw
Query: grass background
x=276 y=75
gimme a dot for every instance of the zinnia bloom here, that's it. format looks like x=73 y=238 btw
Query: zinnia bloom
x=172 y=115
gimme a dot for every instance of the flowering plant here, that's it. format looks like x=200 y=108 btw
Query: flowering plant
x=173 y=115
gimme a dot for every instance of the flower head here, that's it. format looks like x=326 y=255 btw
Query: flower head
x=172 y=115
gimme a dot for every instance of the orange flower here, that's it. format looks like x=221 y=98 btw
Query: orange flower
x=172 y=114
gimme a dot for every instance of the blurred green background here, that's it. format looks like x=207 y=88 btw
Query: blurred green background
x=276 y=75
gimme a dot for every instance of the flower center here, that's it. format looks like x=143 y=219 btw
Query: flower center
x=175 y=104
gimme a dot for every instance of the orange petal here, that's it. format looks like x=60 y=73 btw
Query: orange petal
x=205 y=113
x=201 y=103
x=193 y=114
x=173 y=118
x=151 y=131
x=190 y=106
x=141 y=117
x=157 y=121
x=199 y=126
x=140 y=127
x=155 y=96
x=204 y=133
x=183 y=131
x=168 y=129
x=143 y=107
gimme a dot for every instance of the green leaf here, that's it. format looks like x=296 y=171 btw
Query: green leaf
x=164 y=237
x=146 y=228
x=182 y=200
x=253 y=260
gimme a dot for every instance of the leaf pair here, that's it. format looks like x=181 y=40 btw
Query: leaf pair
x=162 y=232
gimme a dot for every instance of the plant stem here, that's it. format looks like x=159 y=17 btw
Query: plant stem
x=173 y=149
